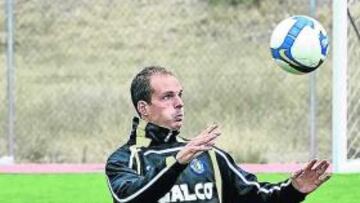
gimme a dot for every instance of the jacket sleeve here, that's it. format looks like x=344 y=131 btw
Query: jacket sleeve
x=128 y=186
x=246 y=188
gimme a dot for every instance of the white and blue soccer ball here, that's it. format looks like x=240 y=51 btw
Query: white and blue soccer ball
x=299 y=44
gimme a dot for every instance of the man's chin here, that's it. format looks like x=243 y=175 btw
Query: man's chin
x=177 y=125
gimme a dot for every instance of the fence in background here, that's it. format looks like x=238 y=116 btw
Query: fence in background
x=75 y=61
x=353 y=78
x=346 y=108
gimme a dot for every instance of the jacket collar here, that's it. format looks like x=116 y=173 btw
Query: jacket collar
x=155 y=133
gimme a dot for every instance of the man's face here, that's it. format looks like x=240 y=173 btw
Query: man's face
x=166 y=108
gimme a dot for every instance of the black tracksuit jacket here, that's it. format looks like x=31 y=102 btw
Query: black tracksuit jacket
x=149 y=174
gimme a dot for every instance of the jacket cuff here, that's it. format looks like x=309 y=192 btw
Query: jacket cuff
x=179 y=166
x=175 y=164
x=294 y=194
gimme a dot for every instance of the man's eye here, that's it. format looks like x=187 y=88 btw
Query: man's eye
x=166 y=97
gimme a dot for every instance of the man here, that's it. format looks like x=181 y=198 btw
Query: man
x=156 y=165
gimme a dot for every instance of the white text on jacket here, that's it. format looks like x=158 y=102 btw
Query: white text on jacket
x=181 y=193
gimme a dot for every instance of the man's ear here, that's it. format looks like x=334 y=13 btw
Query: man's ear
x=142 y=108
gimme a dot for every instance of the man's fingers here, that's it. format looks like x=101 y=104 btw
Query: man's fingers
x=203 y=142
x=207 y=139
x=196 y=149
x=296 y=174
x=310 y=165
x=212 y=127
x=323 y=178
x=320 y=169
x=204 y=139
x=189 y=152
x=205 y=132
x=321 y=165
x=211 y=143
x=208 y=130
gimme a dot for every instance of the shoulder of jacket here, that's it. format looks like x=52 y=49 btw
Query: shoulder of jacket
x=121 y=153
x=223 y=156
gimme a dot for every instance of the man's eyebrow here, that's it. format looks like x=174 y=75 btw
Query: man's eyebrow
x=173 y=92
x=168 y=92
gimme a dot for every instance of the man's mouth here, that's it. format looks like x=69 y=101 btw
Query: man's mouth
x=179 y=117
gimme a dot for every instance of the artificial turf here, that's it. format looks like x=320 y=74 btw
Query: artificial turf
x=92 y=187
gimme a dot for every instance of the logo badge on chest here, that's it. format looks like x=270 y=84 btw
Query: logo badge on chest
x=197 y=166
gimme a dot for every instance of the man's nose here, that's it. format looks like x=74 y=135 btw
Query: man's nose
x=179 y=102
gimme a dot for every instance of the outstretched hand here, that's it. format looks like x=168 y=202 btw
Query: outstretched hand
x=310 y=177
x=203 y=142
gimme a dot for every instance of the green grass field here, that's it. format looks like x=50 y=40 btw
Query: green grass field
x=62 y=188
